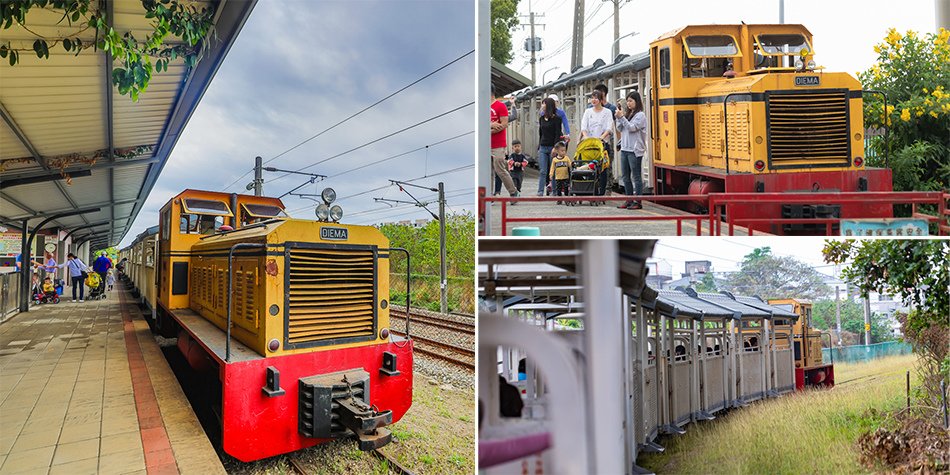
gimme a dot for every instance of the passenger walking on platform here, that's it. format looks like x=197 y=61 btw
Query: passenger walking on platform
x=499 y=142
x=561 y=170
x=76 y=269
x=516 y=163
x=110 y=279
x=50 y=265
x=550 y=125
x=633 y=128
x=101 y=266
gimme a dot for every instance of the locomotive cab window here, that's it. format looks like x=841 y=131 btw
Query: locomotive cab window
x=207 y=207
x=708 y=56
x=203 y=224
x=255 y=213
x=779 y=51
x=664 y=67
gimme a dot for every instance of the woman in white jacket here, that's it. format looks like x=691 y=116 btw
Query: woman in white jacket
x=632 y=125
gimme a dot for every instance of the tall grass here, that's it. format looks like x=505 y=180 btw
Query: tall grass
x=808 y=432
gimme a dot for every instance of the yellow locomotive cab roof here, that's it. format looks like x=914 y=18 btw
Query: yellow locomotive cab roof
x=783 y=27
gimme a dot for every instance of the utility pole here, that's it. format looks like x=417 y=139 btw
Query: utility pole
x=577 y=43
x=444 y=283
x=942 y=14
x=781 y=12
x=533 y=43
x=838 y=312
x=258 y=176
x=867 y=318
x=443 y=279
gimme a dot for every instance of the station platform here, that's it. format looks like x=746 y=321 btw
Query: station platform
x=84 y=388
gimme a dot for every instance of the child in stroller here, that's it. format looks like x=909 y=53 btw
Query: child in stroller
x=97 y=288
x=45 y=293
x=590 y=160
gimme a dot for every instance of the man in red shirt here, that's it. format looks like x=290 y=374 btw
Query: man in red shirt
x=499 y=142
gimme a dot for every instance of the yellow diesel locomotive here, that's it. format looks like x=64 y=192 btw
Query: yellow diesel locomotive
x=289 y=317
x=810 y=369
x=744 y=109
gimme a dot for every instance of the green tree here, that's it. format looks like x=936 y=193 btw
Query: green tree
x=914 y=73
x=504 y=17
x=706 y=284
x=919 y=272
x=852 y=319
x=178 y=31
x=772 y=277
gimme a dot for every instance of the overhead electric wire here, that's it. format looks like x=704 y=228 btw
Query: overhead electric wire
x=407 y=86
x=430 y=119
x=377 y=162
x=366 y=192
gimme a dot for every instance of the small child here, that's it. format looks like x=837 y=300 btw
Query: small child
x=110 y=279
x=517 y=161
x=560 y=170
x=48 y=287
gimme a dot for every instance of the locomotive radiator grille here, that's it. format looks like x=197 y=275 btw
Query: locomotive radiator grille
x=809 y=130
x=332 y=295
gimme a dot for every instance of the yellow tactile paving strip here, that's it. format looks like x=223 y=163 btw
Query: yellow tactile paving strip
x=67 y=403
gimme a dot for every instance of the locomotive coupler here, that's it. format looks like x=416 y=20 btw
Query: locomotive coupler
x=367 y=423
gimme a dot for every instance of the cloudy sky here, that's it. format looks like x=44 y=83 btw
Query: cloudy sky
x=844 y=31
x=301 y=66
x=726 y=253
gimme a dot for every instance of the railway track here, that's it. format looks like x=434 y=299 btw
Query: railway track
x=448 y=354
x=394 y=466
x=443 y=323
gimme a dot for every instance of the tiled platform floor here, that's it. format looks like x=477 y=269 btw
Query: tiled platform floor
x=84 y=388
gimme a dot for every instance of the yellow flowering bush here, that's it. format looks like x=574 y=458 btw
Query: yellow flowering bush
x=913 y=70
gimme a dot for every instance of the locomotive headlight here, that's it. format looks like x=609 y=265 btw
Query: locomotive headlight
x=811 y=64
x=799 y=64
x=336 y=213
x=323 y=212
x=328 y=195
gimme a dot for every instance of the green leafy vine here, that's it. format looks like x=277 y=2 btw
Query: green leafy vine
x=139 y=58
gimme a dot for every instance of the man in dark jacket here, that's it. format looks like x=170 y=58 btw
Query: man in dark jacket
x=101 y=266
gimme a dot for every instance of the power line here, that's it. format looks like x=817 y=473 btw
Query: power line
x=356 y=114
x=430 y=119
x=424 y=147
x=366 y=192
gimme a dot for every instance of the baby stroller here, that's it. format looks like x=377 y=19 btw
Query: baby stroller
x=97 y=288
x=590 y=160
x=39 y=296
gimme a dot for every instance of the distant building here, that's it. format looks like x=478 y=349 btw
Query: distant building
x=698 y=267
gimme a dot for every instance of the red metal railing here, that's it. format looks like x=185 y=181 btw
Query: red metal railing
x=679 y=219
x=721 y=205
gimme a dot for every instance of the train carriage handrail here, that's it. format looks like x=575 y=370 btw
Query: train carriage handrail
x=408 y=287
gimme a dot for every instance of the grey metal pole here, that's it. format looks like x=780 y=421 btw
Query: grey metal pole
x=533 y=52
x=482 y=89
x=443 y=282
x=838 y=312
x=942 y=14
x=26 y=269
x=577 y=42
x=781 y=12
x=258 y=176
x=867 y=319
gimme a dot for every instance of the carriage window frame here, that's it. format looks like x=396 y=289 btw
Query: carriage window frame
x=665 y=69
x=166 y=224
x=690 y=54
x=763 y=52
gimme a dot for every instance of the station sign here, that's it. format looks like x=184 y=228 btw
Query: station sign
x=895 y=227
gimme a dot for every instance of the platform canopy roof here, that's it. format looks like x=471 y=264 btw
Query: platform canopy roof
x=70 y=142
